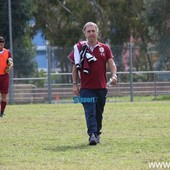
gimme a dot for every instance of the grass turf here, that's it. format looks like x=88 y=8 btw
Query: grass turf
x=53 y=137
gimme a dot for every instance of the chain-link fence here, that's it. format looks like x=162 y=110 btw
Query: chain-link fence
x=143 y=73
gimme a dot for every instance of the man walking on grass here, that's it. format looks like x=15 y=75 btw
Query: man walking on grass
x=90 y=57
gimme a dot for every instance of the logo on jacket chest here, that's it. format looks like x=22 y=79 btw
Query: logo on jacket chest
x=102 y=52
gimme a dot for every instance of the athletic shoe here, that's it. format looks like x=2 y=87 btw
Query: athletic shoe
x=98 y=139
x=2 y=115
x=93 y=140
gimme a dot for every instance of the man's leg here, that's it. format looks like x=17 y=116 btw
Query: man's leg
x=90 y=114
x=90 y=111
x=100 y=103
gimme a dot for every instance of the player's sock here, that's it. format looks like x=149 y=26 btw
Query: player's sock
x=3 y=105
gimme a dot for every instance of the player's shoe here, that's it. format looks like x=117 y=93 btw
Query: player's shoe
x=93 y=140
x=2 y=115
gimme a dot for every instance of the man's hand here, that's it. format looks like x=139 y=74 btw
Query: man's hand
x=112 y=81
x=76 y=90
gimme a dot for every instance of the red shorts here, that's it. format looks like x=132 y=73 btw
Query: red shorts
x=4 y=83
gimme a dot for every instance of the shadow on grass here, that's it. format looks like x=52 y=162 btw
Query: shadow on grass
x=67 y=147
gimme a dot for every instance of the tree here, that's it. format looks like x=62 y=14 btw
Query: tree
x=23 y=52
x=61 y=20
x=156 y=17
x=122 y=19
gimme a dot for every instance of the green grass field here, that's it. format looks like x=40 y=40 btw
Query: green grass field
x=53 y=137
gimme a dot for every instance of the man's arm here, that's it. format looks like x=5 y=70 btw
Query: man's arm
x=76 y=90
x=113 y=70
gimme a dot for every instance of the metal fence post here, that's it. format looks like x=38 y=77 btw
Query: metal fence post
x=49 y=71
x=155 y=85
x=131 y=72
x=11 y=88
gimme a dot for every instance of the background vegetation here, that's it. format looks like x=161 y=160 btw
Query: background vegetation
x=61 y=22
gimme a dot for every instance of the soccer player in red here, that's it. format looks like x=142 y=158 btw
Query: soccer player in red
x=6 y=64
x=90 y=58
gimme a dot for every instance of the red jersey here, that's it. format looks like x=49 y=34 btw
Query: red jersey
x=96 y=79
x=4 y=55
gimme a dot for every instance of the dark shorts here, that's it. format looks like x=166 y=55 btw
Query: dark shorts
x=4 y=83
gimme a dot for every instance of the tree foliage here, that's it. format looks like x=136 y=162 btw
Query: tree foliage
x=23 y=53
x=156 y=16
x=62 y=21
x=124 y=20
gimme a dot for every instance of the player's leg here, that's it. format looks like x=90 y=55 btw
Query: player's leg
x=3 y=104
x=4 y=93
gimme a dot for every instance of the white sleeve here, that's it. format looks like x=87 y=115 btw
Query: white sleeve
x=76 y=55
